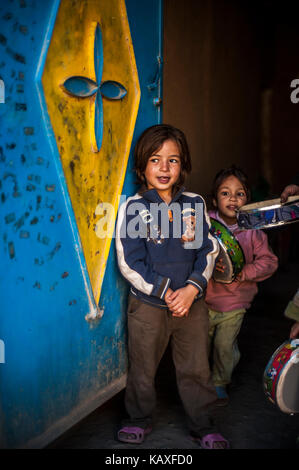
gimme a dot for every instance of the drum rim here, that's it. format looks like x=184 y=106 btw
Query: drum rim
x=268 y=394
x=276 y=224
x=230 y=233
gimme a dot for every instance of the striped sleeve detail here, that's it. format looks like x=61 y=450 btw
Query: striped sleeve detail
x=132 y=276
x=212 y=255
x=163 y=288
x=195 y=284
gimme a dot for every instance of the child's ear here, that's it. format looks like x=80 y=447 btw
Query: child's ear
x=214 y=202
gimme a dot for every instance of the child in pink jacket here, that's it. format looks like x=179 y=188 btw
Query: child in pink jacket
x=227 y=303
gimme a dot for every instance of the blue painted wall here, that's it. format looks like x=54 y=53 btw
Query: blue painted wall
x=55 y=361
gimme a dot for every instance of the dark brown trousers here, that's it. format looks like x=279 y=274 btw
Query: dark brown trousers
x=150 y=329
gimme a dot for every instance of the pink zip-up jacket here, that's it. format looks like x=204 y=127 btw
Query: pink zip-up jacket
x=261 y=263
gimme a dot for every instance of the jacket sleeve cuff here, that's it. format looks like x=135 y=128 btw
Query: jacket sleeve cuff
x=196 y=284
x=163 y=284
x=248 y=272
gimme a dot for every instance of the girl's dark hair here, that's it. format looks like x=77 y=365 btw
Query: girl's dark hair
x=151 y=140
x=225 y=173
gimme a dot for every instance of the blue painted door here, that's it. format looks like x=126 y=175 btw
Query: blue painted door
x=62 y=349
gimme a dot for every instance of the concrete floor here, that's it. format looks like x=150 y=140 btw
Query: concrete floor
x=250 y=421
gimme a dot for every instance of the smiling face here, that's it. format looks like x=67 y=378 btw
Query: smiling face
x=163 y=169
x=231 y=195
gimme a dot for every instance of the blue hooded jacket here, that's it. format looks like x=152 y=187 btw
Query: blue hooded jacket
x=163 y=245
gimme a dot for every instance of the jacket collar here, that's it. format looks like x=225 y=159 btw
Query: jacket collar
x=153 y=196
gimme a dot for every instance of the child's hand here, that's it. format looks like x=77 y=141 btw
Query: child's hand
x=219 y=266
x=168 y=294
x=168 y=299
x=240 y=277
x=294 y=330
x=180 y=301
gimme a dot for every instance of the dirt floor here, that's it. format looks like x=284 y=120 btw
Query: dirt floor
x=250 y=421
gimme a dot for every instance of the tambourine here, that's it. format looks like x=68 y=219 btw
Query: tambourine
x=281 y=377
x=267 y=214
x=231 y=253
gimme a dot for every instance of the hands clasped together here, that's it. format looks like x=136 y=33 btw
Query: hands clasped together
x=180 y=301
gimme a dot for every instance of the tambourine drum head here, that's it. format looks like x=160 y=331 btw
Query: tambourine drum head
x=228 y=275
x=268 y=214
x=231 y=253
x=287 y=394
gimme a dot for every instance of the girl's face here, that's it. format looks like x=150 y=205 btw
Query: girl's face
x=163 y=169
x=231 y=195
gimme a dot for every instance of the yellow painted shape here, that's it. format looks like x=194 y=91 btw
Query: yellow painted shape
x=92 y=177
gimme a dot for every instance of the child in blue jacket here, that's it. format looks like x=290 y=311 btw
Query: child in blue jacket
x=167 y=254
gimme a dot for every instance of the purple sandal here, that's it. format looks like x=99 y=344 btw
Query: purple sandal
x=133 y=434
x=208 y=441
